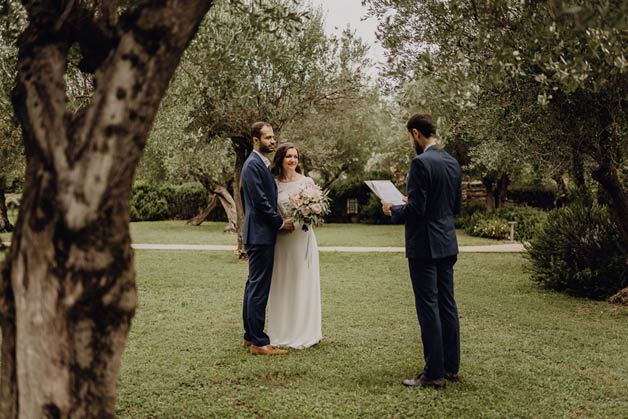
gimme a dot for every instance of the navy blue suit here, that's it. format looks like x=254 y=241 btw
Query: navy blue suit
x=434 y=195
x=261 y=223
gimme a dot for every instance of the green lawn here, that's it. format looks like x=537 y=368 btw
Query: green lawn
x=525 y=352
x=178 y=232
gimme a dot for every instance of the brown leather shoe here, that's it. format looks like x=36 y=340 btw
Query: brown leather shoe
x=422 y=381
x=246 y=343
x=267 y=350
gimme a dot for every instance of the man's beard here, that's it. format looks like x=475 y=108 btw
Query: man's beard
x=265 y=149
x=417 y=148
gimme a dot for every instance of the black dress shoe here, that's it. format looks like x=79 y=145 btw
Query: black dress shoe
x=422 y=381
x=451 y=376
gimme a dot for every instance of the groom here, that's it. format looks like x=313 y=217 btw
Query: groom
x=261 y=224
x=434 y=196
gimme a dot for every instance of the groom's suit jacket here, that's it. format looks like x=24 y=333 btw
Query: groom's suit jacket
x=259 y=193
x=434 y=195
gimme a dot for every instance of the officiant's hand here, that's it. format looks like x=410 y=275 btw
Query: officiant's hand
x=288 y=225
x=386 y=206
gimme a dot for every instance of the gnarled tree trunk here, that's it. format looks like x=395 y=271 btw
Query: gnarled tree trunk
x=5 y=224
x=202 y=215
x=242 y=147
x=217 y=193
x=68 y=288
x=606 y=175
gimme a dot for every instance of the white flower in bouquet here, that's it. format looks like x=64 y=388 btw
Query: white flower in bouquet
x=309 y=205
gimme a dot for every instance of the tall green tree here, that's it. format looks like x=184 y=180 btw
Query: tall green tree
x=547 y=66
x=263 y=66
x=12 y=22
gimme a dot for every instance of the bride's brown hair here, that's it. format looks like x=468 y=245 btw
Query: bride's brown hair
x=280 y=154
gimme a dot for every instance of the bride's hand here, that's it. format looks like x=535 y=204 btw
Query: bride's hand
x=288 y=225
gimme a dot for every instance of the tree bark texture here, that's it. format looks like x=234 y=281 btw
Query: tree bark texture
x=606 y=175
x=68 y=287
x=490 y=196
x=5 y=224
x=242 y=147
x=198 y=219
x=217 y=194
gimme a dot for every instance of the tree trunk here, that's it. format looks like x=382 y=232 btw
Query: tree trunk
x=606 y=175
x=5 y=224
x=577 y=167
x=218 y=193
x=561 y=190
x=229 y=205
x=501 y=190
x=621 y=298
x=490 y=197
x=198 y=219
x=68 y=289
x=242 y=147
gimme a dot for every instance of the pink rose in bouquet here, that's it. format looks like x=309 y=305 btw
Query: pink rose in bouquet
x=309 y=205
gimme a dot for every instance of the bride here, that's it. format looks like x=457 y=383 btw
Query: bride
x=294 y=303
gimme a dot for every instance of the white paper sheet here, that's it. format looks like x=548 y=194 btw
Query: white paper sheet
x=386 y=191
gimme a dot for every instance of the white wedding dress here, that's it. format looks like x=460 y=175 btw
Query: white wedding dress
x=294 y=303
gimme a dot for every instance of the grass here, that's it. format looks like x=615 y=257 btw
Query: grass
x=328 y=235
x=177 y=232
x=525 y=352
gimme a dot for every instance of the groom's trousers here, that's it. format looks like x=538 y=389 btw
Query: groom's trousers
x=256 y=293
x=433 y=285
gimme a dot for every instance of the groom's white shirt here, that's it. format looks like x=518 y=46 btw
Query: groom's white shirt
x=264 y=158
x=429 y=145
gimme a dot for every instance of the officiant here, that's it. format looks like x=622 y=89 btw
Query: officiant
x=434 y=196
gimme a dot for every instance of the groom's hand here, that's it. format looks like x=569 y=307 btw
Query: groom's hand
x=386 y=206
x=288 y=225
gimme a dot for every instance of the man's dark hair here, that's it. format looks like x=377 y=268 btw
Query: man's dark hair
x=422 y=122
x=256 y=129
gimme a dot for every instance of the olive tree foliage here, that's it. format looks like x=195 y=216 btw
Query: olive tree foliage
x=270 y=62
x=547 y=78
x=337 y=137
x=179 y=152
x=12 y=22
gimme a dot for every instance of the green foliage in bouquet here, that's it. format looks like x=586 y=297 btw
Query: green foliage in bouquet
x=579 y=251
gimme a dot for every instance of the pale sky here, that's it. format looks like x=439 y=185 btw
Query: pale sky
x=340 y=13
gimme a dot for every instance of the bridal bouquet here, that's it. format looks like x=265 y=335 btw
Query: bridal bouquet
x=309 y=205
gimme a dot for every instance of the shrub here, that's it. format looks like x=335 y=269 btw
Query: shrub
x=492 y=228
x=148 y=203
x=185 y=200
x=466 y=216
x=529 y=220
x=495 y=225
x=579 y=251
x=534 y=196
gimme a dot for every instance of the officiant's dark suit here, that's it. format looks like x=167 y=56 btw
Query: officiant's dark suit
x=261 y=224
x=434 y=196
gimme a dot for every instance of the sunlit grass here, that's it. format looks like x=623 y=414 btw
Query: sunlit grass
x=525 y=352
x=178 y=232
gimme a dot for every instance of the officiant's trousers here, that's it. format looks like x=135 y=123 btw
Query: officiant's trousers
x=256 y=293
x=433 y=285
